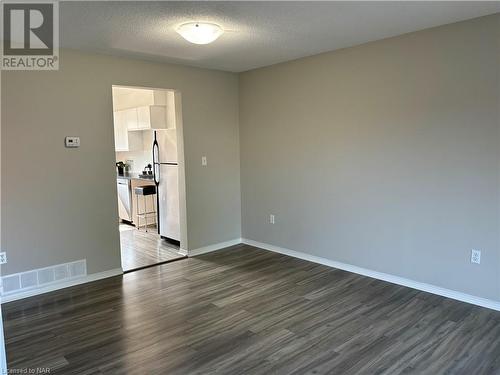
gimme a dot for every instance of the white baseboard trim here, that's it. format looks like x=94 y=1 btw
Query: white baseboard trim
x=65 y=284
x=479 y=301
x=214 y=247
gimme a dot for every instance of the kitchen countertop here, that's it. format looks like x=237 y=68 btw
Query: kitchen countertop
x=134 y=176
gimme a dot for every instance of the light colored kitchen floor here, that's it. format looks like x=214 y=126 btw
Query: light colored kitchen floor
x=140 y=248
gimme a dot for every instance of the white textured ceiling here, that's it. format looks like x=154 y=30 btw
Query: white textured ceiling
x=258 y=33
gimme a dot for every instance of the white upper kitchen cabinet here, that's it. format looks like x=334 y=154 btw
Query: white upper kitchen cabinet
x=130 y=118
x=145 y=109
x=148 y=117
x=152 y=117
x=121 y=136
x=125 y=140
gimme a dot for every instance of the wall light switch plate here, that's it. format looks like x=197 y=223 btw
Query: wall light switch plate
x=204 y=161
x=72 y=142
x=475 y=256
x=3 y=257
x=271 y=219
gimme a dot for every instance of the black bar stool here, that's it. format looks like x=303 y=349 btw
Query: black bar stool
x=145 y=191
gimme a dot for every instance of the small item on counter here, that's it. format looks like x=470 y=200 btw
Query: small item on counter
x=129 y=165
x=120 y=168
x=147 y=172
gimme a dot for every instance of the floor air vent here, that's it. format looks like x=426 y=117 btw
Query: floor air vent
x=23 y=281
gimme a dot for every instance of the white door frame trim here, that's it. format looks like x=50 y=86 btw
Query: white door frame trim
x=179 y=126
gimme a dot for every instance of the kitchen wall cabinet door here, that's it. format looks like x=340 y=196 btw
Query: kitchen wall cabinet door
x=124 y=139
x=151 y=117
x=121 y=132
x=148 y=117
x=130 y=118
x=135 y=142
x=143 y=118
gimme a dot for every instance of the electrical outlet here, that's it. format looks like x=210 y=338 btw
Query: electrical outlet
x=3 y=257
x=475 y=256
x=271 y=219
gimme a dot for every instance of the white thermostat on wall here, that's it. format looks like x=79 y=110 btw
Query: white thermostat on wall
x=72 y=142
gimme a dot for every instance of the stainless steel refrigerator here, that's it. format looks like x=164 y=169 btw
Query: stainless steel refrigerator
x=166 y=177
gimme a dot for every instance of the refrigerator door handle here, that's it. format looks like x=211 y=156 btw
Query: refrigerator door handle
x=156 y=164
x=156 y=178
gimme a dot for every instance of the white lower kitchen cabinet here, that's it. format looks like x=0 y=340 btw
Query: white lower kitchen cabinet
x=129 y=205
x=124 y=199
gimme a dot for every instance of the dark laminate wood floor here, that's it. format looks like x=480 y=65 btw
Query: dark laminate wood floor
x=141 y=249
x=248 y=311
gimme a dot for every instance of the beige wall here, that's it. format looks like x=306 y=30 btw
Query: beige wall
x=59 y=205
x=384 y=156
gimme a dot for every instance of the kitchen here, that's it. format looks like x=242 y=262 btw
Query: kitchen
x=147 y=175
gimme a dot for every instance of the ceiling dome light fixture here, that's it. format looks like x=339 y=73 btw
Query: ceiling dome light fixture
x=200 y=32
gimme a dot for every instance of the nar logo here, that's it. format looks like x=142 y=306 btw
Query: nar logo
x=30 y=36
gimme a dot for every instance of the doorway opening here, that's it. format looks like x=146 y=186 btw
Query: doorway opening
x=150 y=176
